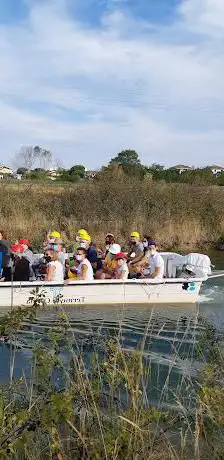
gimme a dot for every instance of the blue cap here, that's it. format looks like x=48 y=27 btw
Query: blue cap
x=151 y=243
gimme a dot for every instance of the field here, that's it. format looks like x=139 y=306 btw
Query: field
x=179 y=216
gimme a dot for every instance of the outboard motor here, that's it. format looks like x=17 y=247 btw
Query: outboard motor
x=198 y=265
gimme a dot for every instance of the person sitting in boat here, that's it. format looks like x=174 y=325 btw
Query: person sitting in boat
x=29 y=255
x=143 y=262
x=21 y=265
x=145 y=242
x=109 y=240
x=155 y=262
x=80 y=235
x=52 y=238
x=62 y=255
x=83 y=269
x=136 y=248
x=122 y=271
x=27 y=249
x=6 y=262
x=55 y=269
x=109 y=264
x=91 y=252
x=135 y=254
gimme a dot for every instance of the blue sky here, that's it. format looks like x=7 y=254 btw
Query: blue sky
x=88 y=78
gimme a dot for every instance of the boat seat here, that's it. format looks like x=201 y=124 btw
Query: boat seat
x=173 y=263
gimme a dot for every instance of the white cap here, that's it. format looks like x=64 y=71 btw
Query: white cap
x=114 y=249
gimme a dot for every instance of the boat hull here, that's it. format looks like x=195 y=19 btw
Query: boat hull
x=168 y=291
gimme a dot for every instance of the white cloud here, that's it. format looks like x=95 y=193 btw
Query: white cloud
x=206 y=15
x=87 y=92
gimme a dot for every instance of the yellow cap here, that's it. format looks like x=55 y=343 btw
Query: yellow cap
x=82 y=232
x=87 y=237
x=135 y=234
x=55 y=234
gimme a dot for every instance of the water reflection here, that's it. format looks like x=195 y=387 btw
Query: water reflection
x=167 y=334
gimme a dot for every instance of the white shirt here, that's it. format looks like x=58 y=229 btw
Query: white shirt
x=63 y=256
x=58 y=273
x=156 y=261
x=89 y=274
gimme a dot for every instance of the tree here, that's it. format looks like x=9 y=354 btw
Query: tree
x=22 y=171
x=199 y=176
x=44 y=156
x=77 y=170
x=220 y=179
x=26 y=157
x=127 y=157
x=37 y=151
x=160 y=174
x=38 y=174
x=72 y=178
x=130 y=162
x=157 y=167
x=74 y=174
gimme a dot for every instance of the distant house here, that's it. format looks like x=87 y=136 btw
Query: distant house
x=5 y=171
x=182 y=168
x=90 y=174
x=52 y=174
x=17 y=176
x=217 y=170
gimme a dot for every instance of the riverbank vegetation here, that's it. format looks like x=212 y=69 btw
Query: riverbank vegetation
x=33 y=163
x=179 y=216
x=92 y=401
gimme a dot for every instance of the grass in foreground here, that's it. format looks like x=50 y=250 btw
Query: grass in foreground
x=67 y=410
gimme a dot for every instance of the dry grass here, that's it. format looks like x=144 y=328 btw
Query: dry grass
x=177 y=215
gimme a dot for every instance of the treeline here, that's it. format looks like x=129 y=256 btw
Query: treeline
x=198 y=176
x=73 y=174
x=129 y=162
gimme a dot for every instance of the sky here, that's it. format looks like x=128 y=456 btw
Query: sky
x=89 y=78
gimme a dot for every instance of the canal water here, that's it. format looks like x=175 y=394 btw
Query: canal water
x=167 y=333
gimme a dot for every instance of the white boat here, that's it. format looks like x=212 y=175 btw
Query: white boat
x=106 y=292
x=169 y=290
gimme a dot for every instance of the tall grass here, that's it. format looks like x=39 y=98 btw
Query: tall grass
x=68 y=409
x=177 y=215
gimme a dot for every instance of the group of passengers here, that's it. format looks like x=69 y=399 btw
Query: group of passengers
x=19 y=263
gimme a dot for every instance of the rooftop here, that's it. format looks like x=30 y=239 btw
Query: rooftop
x=217 y=167
x=181 y=167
